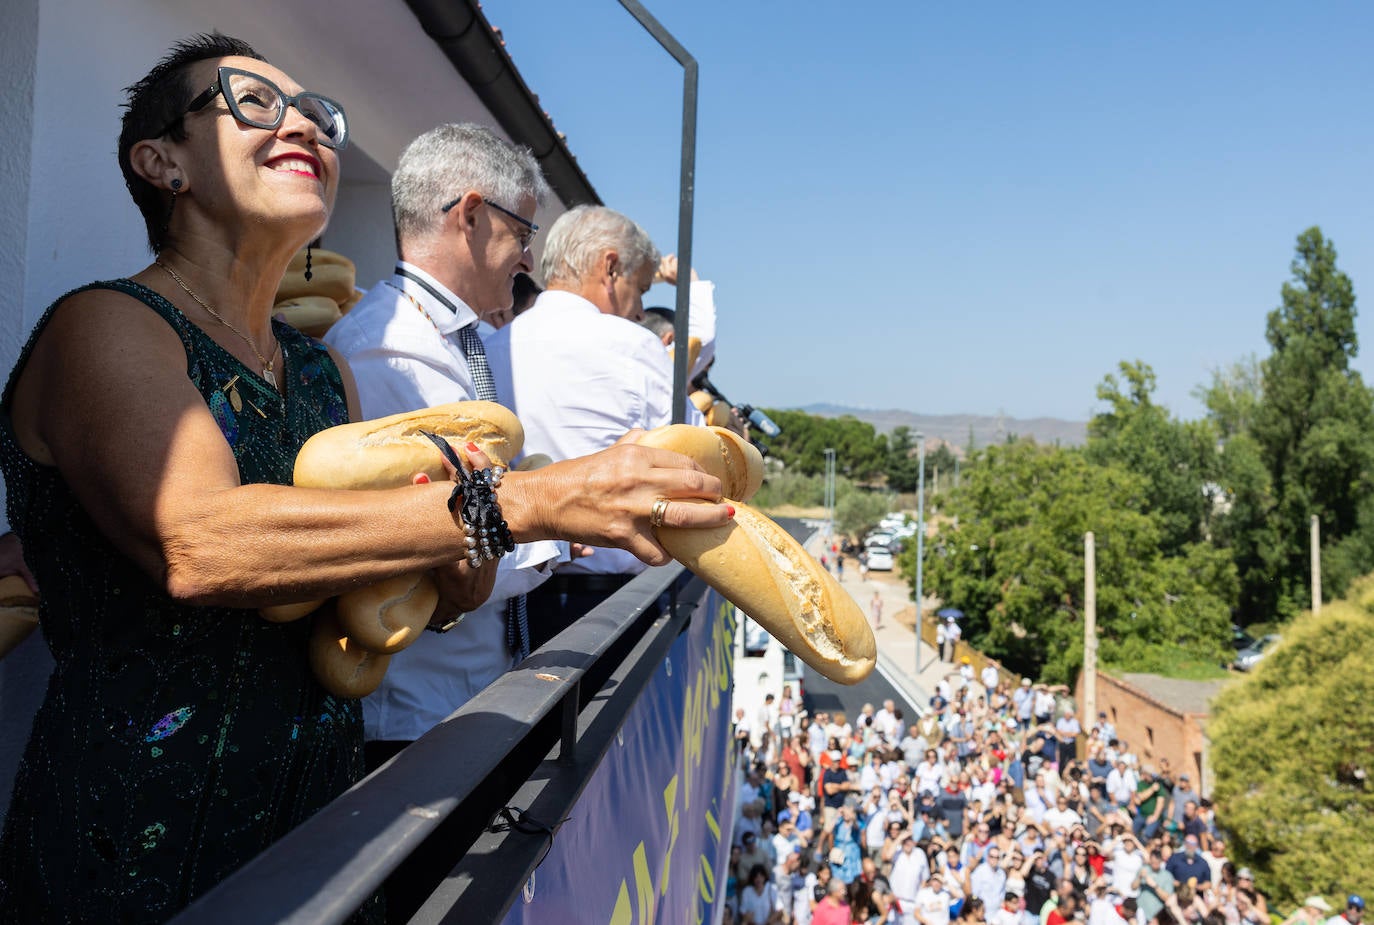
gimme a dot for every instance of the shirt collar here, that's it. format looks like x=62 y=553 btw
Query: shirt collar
x=563 y=300
x=448 y=312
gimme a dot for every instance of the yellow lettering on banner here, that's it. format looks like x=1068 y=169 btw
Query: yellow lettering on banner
x=621 y=914
x=712 y=824
x=706 y=880
x=644 y=886
x=669 y=799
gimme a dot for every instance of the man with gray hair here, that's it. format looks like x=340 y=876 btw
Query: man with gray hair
x=463 y=201
x=579 y=371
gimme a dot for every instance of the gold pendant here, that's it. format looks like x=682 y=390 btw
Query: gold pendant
x=271 y=379
x=228 y=388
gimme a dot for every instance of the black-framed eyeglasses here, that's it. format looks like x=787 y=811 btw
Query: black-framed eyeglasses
x=526 y=237
x=254 y=100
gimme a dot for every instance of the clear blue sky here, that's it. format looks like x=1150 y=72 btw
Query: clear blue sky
x=977 y=207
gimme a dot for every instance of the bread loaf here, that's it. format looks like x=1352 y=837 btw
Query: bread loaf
x=343 y=667
x=285 y=613
x=736 y=462
x=18 y=613
x=332 y=276
x=309 y=314
x=759 y=568
x=390 y=615
x=719 y=415
x=385 y=453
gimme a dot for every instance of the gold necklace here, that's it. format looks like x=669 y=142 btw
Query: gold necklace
x=266 y=363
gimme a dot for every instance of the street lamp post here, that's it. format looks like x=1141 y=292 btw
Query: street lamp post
x=920 y=535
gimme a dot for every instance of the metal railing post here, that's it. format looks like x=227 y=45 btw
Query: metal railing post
x=686 y=197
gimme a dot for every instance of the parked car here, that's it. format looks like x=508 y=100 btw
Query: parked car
x=879 y=559
x=1248 y=658
x=1240 y=639
x=878 y=538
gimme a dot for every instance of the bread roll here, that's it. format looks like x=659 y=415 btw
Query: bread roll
x=330 y=280
x=759 y=568
x=285 y=613
x=14 y=592
x=390 y=615
x=719 y=415
x=309 y=314
x=346 y=306
x=737 y=463
x=18 y=613
x=702 y=400
x=343 y=667
x=387 y=452
x=332 y=275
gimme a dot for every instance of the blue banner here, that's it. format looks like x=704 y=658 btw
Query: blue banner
x=648 y=841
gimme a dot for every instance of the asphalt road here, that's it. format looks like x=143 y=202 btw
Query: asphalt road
x=829 y=696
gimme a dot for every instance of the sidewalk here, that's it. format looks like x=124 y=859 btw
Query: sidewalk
x=896 y=642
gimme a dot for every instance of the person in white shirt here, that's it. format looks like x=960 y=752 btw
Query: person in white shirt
x=408 y=343
x=932 y=902
x=910 y=870
x=579 y=371
x=701 y=315
x=1127 y=861
x=990 y=677
x=885 y=721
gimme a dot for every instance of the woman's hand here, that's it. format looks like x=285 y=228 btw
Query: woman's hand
x=12 y=561
x=605 y=499
x=462 y=588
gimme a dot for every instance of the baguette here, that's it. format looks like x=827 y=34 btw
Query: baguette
x=736 y=462
x=387 y=452
x=343 y=667
x=390 y=615
x=760 y=569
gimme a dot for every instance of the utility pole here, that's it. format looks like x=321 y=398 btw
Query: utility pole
x=920 y=536
x=1316 y=565
x=1089 y=627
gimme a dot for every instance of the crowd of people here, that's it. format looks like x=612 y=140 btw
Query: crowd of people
x=980 y=811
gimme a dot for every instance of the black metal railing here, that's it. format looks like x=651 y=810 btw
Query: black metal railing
x=531 y=740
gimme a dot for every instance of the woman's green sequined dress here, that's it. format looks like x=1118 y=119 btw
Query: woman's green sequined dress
x=174 y=742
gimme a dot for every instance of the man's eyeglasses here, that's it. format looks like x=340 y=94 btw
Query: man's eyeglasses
x=526 y=237
x=254 y=100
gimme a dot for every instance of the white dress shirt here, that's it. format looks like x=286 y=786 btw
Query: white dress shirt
x=578 y=380
x=406 y=357
x=701 y=323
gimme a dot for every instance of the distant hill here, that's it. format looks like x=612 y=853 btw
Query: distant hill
x=954 y=428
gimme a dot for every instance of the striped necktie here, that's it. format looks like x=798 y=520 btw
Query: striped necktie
x=517 y=614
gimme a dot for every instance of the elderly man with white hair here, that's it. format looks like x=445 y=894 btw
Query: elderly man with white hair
x=579 y=371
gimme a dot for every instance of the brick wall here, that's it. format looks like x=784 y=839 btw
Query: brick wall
x=1153 y=729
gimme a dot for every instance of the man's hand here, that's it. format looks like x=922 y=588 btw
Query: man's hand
x=667 y=270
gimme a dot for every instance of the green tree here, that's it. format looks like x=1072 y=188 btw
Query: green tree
x=1314 y=427
x=1291 y=756
x=1014 y=564
x=1177 y=459
x=860 y=451
x=903 y=465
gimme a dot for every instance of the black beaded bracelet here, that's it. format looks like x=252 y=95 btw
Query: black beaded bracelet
x=487 y=535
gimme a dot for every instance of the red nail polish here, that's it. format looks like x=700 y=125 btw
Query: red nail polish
x=421 y=478
x=472 y=447
x=731 y=509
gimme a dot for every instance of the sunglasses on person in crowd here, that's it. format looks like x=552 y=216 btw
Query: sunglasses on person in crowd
x=254 y=100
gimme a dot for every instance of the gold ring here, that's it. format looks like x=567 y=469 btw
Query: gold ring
x=657 y=511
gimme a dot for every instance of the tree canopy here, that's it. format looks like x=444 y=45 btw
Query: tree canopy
x=1291 y=753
